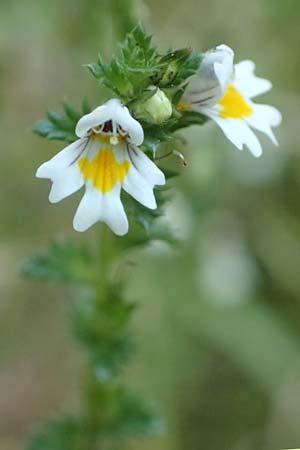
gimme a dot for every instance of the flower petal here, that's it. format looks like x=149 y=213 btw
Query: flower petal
x=62 y=160
x=98 y=116
x=240 y=134
x=246 y=81
x=118 y=113
x=107 y=208
x=208 y=86
x=224 y=68
x=130 y=125
x=271 y=114
x=63 y=171
x=264 y=118
x=244 y=69
x=136 y=186
x=66 y=184
x=146 y=167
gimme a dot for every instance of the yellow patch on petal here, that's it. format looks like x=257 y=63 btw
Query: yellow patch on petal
x=234 y=104
x=182 y=105
x=104 y=171
x=107 y=139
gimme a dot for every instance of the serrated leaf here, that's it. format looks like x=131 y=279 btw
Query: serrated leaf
x=130 y=71
x=110 y=355
x=102 y=327
x=68 y=433
x=72 y=113
x=134 y=418
x=62 y=261
x=43 y=128
x=121 y=414
x=60 y=126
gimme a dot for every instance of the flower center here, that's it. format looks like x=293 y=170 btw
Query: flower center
x=182 y=105
x=234 y=104
x=110 y=133
x=104 y=171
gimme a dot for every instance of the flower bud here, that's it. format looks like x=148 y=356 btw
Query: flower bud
x=156 y=109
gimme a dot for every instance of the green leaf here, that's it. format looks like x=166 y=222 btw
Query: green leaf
x=71 y=112
x=101 y=325
x=131 y=71
x=60 y=126
x=109 y=356
x=135 y=418
x=121 y=413
x=68 y=261
x=68 y=433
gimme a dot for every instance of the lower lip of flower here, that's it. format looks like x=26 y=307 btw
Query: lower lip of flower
x=234 y=105
x=104 y=171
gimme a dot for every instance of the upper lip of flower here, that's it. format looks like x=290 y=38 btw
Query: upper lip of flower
x=111 y=118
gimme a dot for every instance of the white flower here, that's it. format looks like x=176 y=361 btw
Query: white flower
x=105 y=159
x=224 y=93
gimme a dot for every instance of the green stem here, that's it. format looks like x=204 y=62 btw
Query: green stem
x=102 y=399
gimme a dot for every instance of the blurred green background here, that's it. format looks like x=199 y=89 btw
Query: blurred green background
x=218 y=323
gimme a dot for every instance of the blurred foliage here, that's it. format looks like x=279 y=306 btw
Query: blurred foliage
x=100 y=320
x=68 y=433
x=218 y=322
x=63 y=261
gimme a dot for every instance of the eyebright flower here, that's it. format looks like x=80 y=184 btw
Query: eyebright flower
x=224 y=93
x=105 y=159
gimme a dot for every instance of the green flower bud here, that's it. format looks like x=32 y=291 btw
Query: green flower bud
x=156 y=109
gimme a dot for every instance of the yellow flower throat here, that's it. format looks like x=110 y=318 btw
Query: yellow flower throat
x=104 y=171
x=234 y=105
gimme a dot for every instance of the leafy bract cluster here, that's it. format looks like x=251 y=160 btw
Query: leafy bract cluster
x=138 y=65
x=134 y=75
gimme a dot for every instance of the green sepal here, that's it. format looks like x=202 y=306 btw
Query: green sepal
x=189 y=118
x=177 y=66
